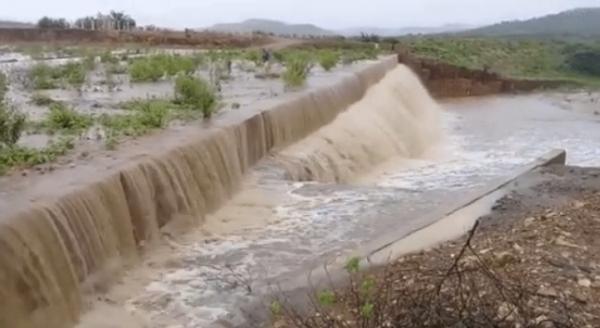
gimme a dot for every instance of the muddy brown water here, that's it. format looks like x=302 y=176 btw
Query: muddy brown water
x=306 y=224
x=289 y=214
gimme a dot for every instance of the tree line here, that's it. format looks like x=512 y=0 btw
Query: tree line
x=115 y=20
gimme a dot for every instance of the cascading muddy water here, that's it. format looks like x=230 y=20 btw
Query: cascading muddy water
x=396 y=118
x=59 y=232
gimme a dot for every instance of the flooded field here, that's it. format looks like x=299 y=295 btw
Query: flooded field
x=93 y=100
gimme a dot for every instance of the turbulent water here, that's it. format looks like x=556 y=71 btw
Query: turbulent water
x=396 y=118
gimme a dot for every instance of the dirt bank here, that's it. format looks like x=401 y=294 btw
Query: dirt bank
x=148 y=38
x=446 y=80
x=532 y=262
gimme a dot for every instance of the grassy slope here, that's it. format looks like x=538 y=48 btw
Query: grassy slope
x=532 y=59
x=583 y=22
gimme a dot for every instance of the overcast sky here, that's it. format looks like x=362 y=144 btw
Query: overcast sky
x=332 y=14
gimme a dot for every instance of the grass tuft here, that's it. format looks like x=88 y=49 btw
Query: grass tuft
x=196 y=94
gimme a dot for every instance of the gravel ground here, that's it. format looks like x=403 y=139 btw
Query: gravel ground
x=532 y=262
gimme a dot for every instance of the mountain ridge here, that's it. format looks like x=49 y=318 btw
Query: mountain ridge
x=580 y=22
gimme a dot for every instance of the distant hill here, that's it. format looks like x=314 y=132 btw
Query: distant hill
x=271 y=26
x=388 y=32
x=583 y=22
x=12 y=24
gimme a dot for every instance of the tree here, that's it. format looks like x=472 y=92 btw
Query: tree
x=57 y=23
x=121 y=21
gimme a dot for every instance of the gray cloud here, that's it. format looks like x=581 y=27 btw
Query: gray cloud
x=326 y=13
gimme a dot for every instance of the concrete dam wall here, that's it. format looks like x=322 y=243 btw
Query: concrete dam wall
x=58 y=236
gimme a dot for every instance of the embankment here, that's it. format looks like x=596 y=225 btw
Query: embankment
x=445 y=80
x=173 y=38
x=60 y=233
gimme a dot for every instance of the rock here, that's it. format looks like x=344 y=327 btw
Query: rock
x=24 y=173
x=585 y=283
x=580 y=297
x=518 y=248
x=507 y=312
x=470 y=263
x=529 y=221
x=560 y=241
x=547 y=291
x=504 y=259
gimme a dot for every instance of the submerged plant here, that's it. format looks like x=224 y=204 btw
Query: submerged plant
x=12 y=124
x=297 y=69
x=3 y=85
x=63 y=118
x=195 y=93
x=328 y=59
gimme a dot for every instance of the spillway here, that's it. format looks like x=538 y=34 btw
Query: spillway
x=58 y=233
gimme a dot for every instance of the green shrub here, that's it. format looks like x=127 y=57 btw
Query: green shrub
x=41 y=76
x=63 y=118
x=143 y=70
x=297 y=69
x=74 y=73
x=17 y=156
x=328 y=59
x=12 y=124
x=585 y=62
x=144 y=116
x=153 y=115
x=3 y=85
x=155 y=67
x=108 y=58
x=46 y=77
x=177 y=64
x=195 y=93
x=254 y=56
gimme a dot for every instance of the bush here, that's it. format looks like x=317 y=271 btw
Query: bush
x=155 y=67
x=297 y=69
x=152 y=115
x=254 y=56
x=47 y=77
x=17 y=156
x=62 y=118
x=142 y=70
x=108 y=58
x=3 y=85
x=74 y=73
x=585 y=62
x=41 y=76
x=328 y=60
x=145 y=116
x=12 y=124
x=195 y=93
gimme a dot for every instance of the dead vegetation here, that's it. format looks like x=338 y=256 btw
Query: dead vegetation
x=542 y=271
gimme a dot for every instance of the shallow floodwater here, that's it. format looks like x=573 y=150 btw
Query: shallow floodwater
x=208 y=282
